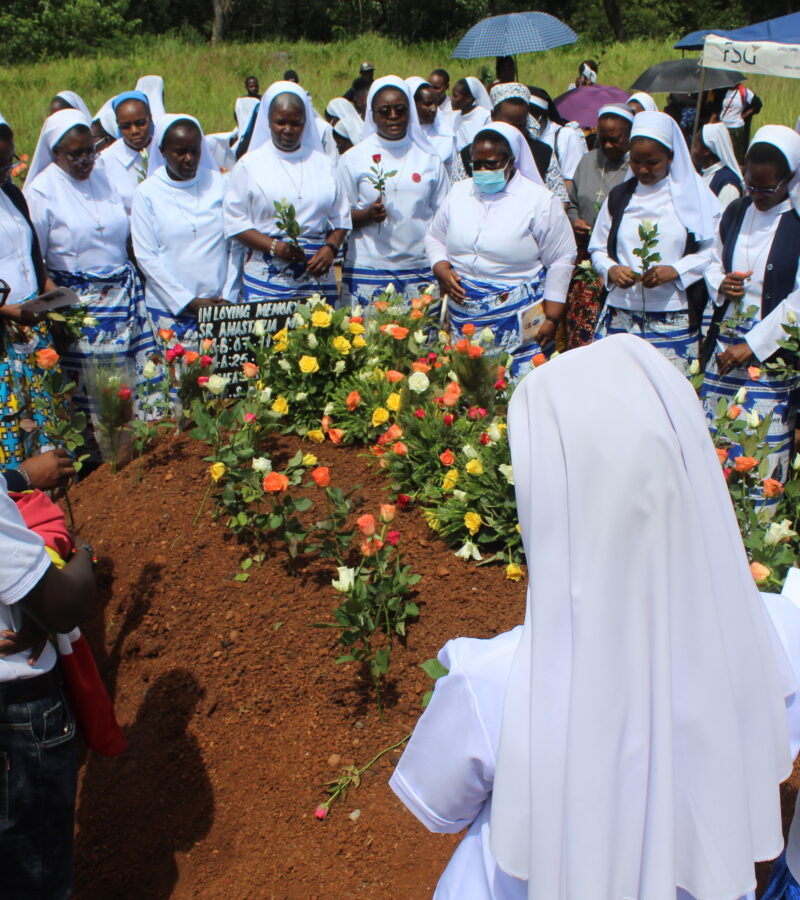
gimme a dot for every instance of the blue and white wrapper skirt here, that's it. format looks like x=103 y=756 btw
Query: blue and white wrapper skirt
x=122 y=335
x=184 y=325
x=768 y=395
x=361 y=285
x=274 y=279
x=499 y=309
x=782 y=886
x=668 y=332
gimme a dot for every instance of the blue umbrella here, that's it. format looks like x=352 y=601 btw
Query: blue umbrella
x=525 y=32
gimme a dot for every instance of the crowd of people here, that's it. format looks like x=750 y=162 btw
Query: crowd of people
x=487 y=192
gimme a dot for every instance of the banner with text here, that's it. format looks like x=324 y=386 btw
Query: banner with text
x=752 y=57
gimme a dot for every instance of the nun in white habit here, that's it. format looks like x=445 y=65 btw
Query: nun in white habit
x=629 y=740
x=286 y=164
x=438 y=131
x=712 y=152
x=665 y=306
x=177 y=230
x=473 y=109
x=389 y=225
x=126 y=160
x=69 y=100
x=152 y=86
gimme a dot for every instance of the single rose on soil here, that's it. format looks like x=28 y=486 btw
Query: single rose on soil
x=217 y=470
x=336 y=435
x=393 y=538
x=388 y=511
x=321 y=476
x=275 y=482
x=366 y=524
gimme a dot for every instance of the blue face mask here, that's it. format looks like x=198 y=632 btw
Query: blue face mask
x=489 y=181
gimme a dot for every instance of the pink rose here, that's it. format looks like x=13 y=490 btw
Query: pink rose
x=393 y=537
x=178 y=351
x=202 y=380
x=320 y=812
x=249 y=417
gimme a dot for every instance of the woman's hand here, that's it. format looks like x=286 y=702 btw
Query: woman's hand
x=735 y=356
x=659 y=275
x=14 y=313
x=288 y=252
x=581 y=227
x=733 y=284
x=321 y=262
x=30 y=637
x=449 y=282
x=622 y=276
x=546 y=333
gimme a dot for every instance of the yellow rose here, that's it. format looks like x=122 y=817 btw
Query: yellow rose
x=519 y=530
x=280 y=406
x=473 y=521
x=341 y=345
x=357 y=328
x=309 y=459
x=393 y=401
x=280 y=340
x=450 y=480
x=379 y=416
x=308 y=365
x=217 y=470
x=474 y=467
x=316 y=435
x=514 y=571
x=359 y=342
x=320 y=318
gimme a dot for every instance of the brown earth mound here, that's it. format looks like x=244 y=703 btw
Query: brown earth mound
x=234 y=709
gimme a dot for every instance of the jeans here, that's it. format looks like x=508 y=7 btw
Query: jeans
x=38 y=776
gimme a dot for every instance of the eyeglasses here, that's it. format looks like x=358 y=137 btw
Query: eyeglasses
x=491 y=165
x=75 y=155
x=765 y=191
x=137 y=123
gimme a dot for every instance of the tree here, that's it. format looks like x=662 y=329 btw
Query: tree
x=222 y=12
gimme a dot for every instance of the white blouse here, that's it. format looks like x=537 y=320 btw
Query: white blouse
x=467 y=126
x=306 y=178
x=569 y=147
x=126 y=169
x=179 y=242
x=649 y=203
x=505 y=238
x=444 y=143
x=412 y=196
x=82 y=225
x=728 y=193
x=16 y=246
x=750 y=253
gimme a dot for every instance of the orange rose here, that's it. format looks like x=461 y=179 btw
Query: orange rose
x=393 y=376
x=326 y=423
x=46 y=358
x=275 y=482
x=381 y=305
x=745 y=463
x=447 y=458
x=166 y=334
x=722 y=455
x=392 y=433
x=398 y=332
x=461 y=346
x=388 y=512
x=207 y=344
x=538 y=359
x=759 y=572
x=475 y=351
x=400 y=449
x=336 y=435
x=371 y=547
x=468 y=330
x=420 y=366
x=754 y=372
x=417 y=303
x=772 y=488
x=250 y=370
x=416 y=314
x=734 y=412
x=353 y=400
x=190 y=356
x=357 y=320
x=321 y=476
x=451 y=395
x=366 y=524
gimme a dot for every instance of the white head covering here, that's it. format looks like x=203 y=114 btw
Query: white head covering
x=156 y=157
x=3 y=120
x=415 y=131
x=696 y=206
x=588 y=72
x=54 y=128
x=440 y=127
x=348 y=117
x=310 y=139
x=718 y=140
x=523 y=158
x=616 y=109
x=153 y=87
x=243 y=111
x=107 y=117
x=75 y=101
x=644 y=733
x=478 y=92
x=647 y=102
x=788 y=142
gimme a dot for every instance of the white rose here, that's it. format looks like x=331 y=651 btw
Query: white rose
x=452 y=376
x=149 y=369
x=469 y=451
x=419 y=336
x=262 y=464
x=494 y=432
x=779 y=532
x=89 y=321
x=284 y=364
x=461 y=496
x=741 y=395
x=389 y=290
x=328 y=411
x=694 y=367
x=429 y=290
x=346 y=579
x=216 y=384
x=796 y=462
x=469 y=551
x=339 y=367
x=312 y=340
x=259 y=328
x=298 y=321
x=791 y=318
x=753 y=419
x=418 y=382
x=507 y=472
x=444 y=337
x=486 y=336
x=300 y=396
x=317 y=298
x=266 y=395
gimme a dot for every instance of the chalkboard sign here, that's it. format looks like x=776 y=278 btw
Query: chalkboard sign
x=231 y=326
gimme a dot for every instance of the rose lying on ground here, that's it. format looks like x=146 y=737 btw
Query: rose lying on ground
x=275 y=482
x=321 y=476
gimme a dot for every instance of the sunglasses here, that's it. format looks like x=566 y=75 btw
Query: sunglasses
x=491 y=165
x=75 y=155
x=765 y=191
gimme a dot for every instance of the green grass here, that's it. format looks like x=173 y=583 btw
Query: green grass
x=204 y=81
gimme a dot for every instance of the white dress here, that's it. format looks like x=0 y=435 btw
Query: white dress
x=569 y=146
x=126 y=168
x=466 y=126
x=16 y=246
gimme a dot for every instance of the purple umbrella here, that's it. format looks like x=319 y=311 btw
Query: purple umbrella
x=581 y=105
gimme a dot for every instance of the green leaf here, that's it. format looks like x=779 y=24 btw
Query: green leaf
x=434 y=669
x=242 y=576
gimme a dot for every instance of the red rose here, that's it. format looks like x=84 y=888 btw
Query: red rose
x=500 y=384
x=205 y=362
x=419 y=413
x=202 y=380
x=449 y=418
x=376 y=157
x=170 y=355
x=416 y=178
x=403 y=500
x=178 y=351
x=124 y=393
x=485 y=439
x=393 y=538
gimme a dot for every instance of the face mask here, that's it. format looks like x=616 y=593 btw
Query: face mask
x=489 y=181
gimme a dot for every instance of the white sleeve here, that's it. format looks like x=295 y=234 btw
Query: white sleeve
x=557 y=249
x=232 y=289
x=727 y=195
x=598 y=244
x=693 y=266
x=39 y=211
x=436 y=236
x=441 y=188
x=571 y=149
x=763 y=337
x=715 y=273
x=161 y=282
x=348 y=182
x=446 y=772
x=340 y=216
x=237 y=214
x=25 y=559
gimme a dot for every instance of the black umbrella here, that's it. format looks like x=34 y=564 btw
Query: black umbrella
x=684 y=76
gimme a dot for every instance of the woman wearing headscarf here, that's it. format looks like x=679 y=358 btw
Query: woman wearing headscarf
x=642 y=102
x=177 y=230
x=152 y=86
x=125 y=161
x=22 y=395
x=568 y=142
x=224 y=144
x=630 y=738
x=286 y=165
x=342 y=110
x=434 y=126
x=666 y=195
x=395 y=181
x=68 y=100
x=502 y=249
x=587 y=74
x=753 y=280
x=83 y=231
x=712 y=153
x=597 y=173
x=473 y=109
x=104 y=126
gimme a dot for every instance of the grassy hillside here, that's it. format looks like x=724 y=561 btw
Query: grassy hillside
x=204 y=81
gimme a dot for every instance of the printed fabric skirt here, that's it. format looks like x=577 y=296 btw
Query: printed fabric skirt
x=27 y=411
x=668 y=332
x=268 y=278
x=183 y=324
x=782 y=885
x=361 y=285
x=768 y=395
x=501 y=310
x=121 y=335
